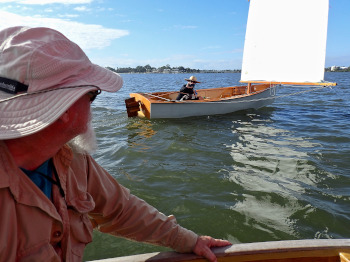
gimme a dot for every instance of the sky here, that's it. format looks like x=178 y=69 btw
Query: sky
x=198 y=34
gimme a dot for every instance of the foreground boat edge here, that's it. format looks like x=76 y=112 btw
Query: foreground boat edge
x=289 y=250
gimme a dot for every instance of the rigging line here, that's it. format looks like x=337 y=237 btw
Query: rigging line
x=166 y=99
x=302 y=92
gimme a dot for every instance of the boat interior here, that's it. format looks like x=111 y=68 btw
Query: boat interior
x=212 y=94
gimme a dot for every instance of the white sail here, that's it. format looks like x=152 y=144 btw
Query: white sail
x=285 y=41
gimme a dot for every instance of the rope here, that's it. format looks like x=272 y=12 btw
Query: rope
x=166 y=99
x=306 y=91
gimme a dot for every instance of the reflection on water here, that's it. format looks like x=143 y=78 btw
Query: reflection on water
x=273 y=158
x=273 y=169
x=139 y=131
x=278 y=177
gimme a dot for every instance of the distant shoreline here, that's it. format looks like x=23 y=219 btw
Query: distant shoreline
x=182 y=70
x=167 y=70
x=155 y=73
x=207 y=73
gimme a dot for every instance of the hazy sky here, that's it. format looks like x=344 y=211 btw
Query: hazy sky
x=199 y=34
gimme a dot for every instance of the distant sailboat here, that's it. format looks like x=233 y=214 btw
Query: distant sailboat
x=285 y=44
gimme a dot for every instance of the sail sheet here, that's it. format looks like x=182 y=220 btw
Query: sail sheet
x=285 y=41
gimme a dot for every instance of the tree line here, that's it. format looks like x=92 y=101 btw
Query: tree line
x=181 y=69
x=338 y=69
x=164 y=69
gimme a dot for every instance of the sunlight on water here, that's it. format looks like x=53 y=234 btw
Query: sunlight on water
x=266 y=213
x=275 y=170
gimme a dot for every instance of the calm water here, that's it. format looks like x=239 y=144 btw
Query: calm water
x=282 y=172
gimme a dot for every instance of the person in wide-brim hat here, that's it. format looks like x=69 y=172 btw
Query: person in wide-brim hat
x=187 y=91
x=53 y=193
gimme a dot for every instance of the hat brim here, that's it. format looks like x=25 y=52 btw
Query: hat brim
x=191 y=80
x=27 y=114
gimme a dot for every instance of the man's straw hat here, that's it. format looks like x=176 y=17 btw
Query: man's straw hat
x=193 y=79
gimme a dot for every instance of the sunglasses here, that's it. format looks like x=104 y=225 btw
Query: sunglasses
x=93 y=95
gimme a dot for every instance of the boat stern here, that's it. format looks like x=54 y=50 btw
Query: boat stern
x=138 y=105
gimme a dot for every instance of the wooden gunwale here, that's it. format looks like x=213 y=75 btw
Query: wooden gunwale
x=320 y=250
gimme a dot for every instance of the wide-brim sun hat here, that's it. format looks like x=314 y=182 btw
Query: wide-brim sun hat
x=192 y=79
x=42 y=74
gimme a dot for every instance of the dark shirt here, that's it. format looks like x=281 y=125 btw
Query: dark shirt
x=185 y=90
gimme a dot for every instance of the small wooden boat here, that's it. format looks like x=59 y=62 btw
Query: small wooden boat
x=315 y=250
x=213 y=101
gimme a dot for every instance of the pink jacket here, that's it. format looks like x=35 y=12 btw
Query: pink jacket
x=33 y=228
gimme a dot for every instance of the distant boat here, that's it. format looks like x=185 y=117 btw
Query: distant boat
x=315 y=250
x=285 y=44
x=221 y=100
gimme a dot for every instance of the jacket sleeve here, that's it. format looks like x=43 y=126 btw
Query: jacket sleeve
x=122 y=214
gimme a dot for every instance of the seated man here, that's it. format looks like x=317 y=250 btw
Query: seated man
x=187 y=91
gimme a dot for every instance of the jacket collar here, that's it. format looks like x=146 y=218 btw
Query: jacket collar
x=22 y=188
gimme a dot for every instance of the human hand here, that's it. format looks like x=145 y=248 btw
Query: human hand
x=203 y=245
